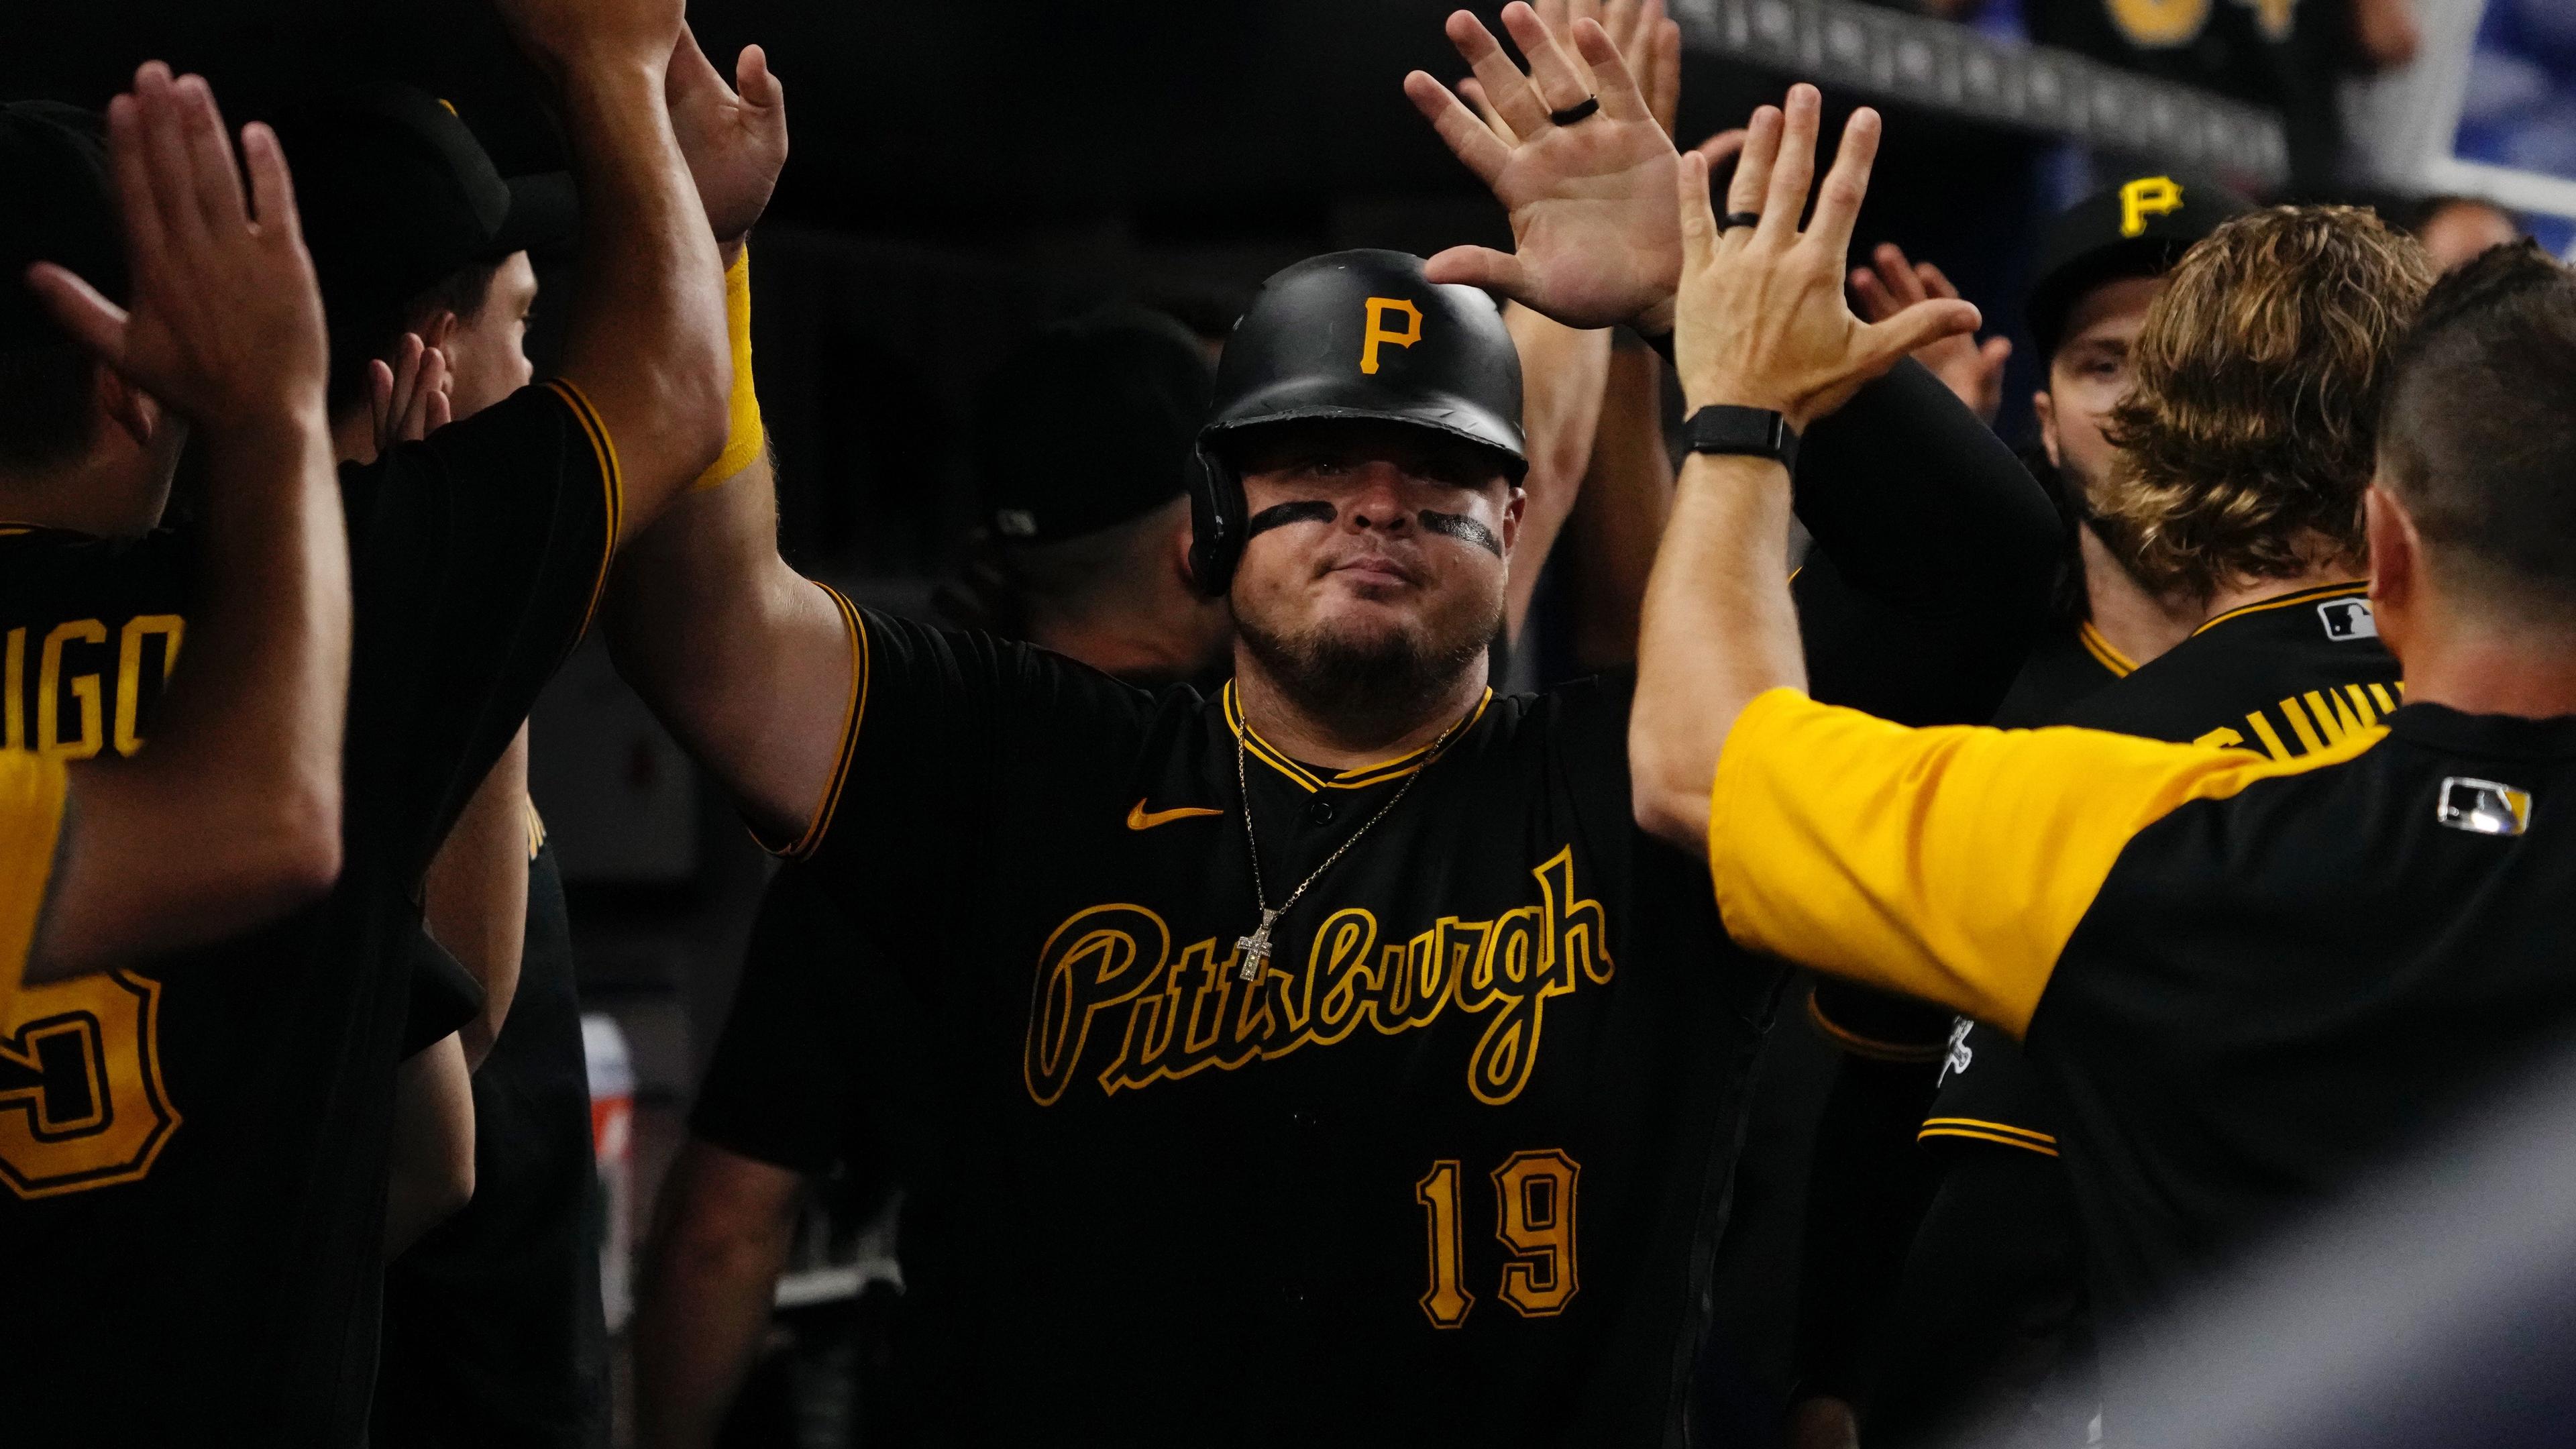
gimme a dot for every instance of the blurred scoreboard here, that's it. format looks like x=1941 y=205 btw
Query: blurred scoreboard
x=1956 y=69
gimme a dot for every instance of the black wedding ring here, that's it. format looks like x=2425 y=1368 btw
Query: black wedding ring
x=1735 y=219
x=1577 y=112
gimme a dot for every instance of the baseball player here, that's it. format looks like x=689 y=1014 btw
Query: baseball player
x=1332 y=1060
x=2287 y=661
x=237 y=1153
x=2102 y=262
x=2242 y=973
x=102 y=856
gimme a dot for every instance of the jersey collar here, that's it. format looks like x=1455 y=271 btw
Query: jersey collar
x=2319 y=594
x=1311 y=780
x=2104 y=652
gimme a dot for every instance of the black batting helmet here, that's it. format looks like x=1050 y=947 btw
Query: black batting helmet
x=1358 y=334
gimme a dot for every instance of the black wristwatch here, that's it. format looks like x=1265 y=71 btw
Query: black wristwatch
x=1745 y=432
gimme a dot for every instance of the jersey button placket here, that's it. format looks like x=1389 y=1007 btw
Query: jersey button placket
x=1319 y=811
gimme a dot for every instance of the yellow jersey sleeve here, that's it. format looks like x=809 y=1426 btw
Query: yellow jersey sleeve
x=32 y=791
x=1950 y=864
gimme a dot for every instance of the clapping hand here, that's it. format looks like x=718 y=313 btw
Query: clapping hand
x=1760 y=317
x=1593 y=237
x=1972 y=371
x=735 y=137
x=226 y=321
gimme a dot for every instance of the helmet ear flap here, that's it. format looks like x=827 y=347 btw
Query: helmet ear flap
x=1216 y=522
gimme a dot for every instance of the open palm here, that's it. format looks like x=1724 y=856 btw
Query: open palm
x=1594 y=237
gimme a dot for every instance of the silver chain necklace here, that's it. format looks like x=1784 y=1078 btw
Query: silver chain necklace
x=1255 y=948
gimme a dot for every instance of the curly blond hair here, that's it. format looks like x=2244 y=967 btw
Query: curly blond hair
x=2249 y=431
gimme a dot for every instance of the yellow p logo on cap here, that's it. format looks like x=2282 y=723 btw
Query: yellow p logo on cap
x=2145 y=197
x=1378 y=309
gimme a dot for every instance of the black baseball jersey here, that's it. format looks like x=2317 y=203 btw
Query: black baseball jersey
x=826 y=1060
x=2244 y=979
x=200 y=1145
x=493 y=1333
x=1449 y=1166
x=2287 y=676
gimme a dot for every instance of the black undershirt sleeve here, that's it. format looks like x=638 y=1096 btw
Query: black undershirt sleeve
x=1936 y=553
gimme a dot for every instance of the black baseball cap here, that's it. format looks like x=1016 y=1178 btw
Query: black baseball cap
x=1090 y=425
x=396 y=195
x=57 y=204
x=2137 y=227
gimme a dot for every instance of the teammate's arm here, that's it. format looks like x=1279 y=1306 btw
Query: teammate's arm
x=645 y=341
x=226 y=330
x=719 y=1241
x=475 y=896
x=1563 y=370
x=1763 y=324
x=429 y=1172
x=746 y=661
x=1627 y=494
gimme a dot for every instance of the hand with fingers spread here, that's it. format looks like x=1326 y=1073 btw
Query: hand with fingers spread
x=226 y=322
x=409 y=399
x=1760 y=318
x=1581 y=163
x=1649 y=43
x=735 y=137
x=1972 y=371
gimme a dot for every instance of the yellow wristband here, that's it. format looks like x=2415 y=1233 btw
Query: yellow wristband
x=744 y=436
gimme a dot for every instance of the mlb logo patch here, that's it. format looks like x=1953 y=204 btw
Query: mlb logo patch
x=2348 y=619
x=2482 y=807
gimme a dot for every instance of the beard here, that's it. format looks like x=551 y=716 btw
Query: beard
x=1369 y=684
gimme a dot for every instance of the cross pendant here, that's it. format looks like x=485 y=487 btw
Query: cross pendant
x=1255 y=948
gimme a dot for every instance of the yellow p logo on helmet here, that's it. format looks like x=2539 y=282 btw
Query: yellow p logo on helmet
x=1379 y=308
x=2145 y=197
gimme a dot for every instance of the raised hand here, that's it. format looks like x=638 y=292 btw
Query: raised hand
x=1650 y=44
x=1973 y=372
x=1593 y=237
x=735 y=137
x=226 y=323
x=1760 y=319
x=409 y=399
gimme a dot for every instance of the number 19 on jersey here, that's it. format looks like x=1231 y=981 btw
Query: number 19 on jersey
x=1533 y=1218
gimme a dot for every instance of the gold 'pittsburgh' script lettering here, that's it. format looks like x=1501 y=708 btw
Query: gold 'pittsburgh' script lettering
x=1187 y=1013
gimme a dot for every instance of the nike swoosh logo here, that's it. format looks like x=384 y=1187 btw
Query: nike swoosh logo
x=1140 y=818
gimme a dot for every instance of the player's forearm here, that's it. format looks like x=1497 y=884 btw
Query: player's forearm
x=475 y=896
x=646 y=339
x=430 y=1164
x=1719 y=631
x=745 y=661
x=719 y=1241
x=1619 y=518
x=1563 y=370
x=247 y=749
